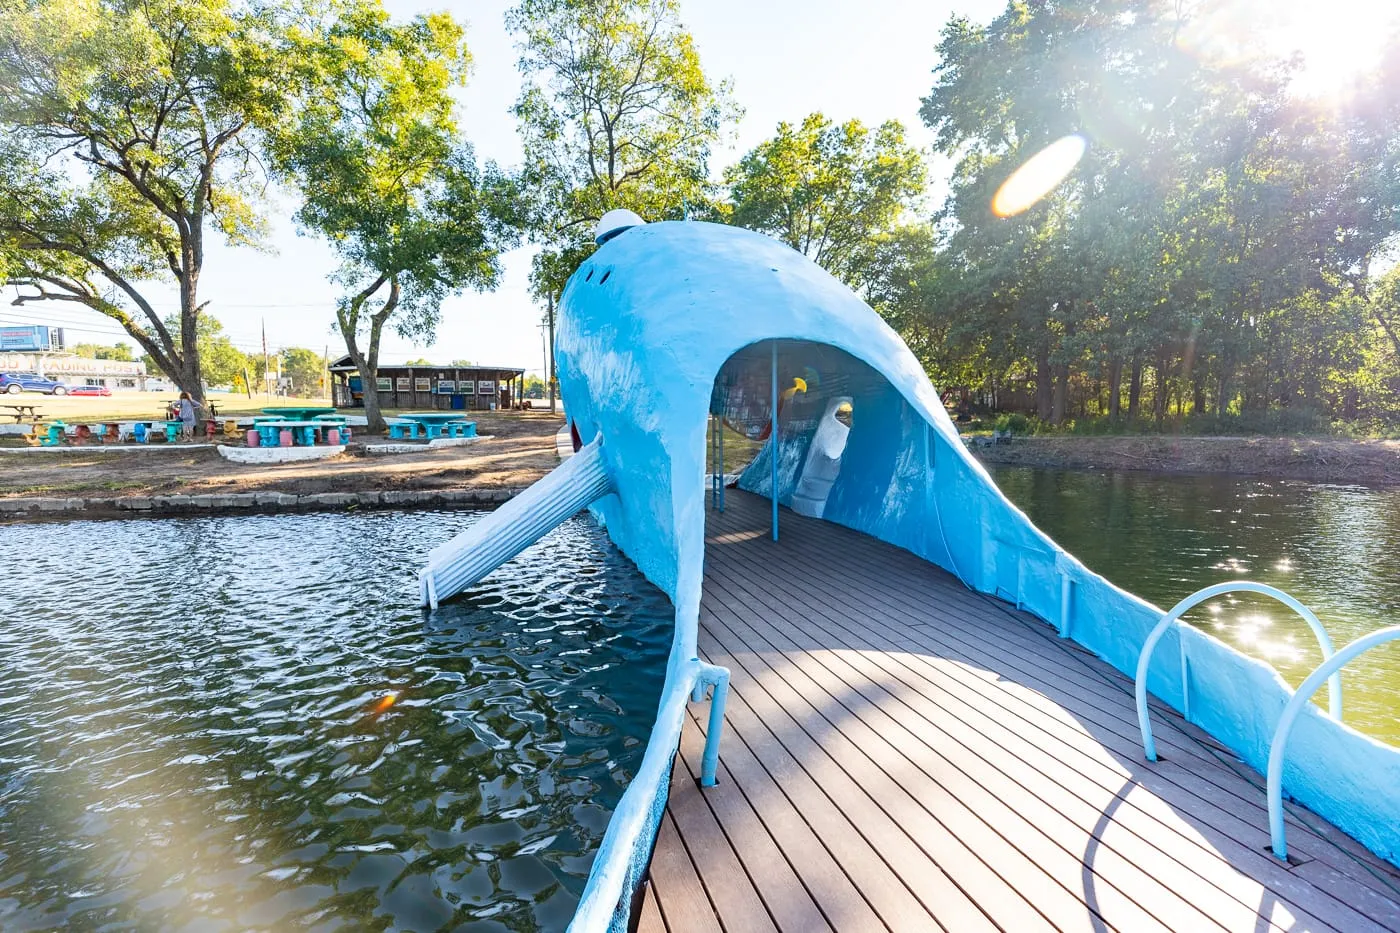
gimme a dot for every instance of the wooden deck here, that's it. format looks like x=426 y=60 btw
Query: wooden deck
x=901 y=753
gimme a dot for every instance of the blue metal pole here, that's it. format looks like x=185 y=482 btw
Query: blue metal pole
x=709 y=762
x=774 y=436
x=719 y=426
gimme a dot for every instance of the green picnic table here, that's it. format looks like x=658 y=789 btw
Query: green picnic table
x=298 y=414
x=434 y=424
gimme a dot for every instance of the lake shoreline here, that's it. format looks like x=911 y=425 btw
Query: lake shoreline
x=515 y=450
x=46 y=508
x=1312 y=459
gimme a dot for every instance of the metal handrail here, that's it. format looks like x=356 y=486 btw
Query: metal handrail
x=1334 y=684
x=602 y=897
x=1327 y=670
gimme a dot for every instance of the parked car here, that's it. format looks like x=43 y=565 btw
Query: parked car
x=89 y=390
x=15 y=383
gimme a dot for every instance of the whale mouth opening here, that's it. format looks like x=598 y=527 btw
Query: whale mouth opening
x=832 y=445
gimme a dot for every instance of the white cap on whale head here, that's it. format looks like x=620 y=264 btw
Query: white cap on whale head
x=613 y=223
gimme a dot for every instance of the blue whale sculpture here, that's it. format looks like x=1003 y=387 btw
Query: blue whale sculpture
x=669 y=324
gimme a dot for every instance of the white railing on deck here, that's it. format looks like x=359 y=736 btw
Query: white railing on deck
x=626 y=849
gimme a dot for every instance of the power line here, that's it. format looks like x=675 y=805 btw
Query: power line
x=247 y=346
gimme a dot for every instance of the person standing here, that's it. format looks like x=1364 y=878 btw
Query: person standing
x=188 y=411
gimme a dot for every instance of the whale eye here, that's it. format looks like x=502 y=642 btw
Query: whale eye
x=589 y=277
x=605 y=277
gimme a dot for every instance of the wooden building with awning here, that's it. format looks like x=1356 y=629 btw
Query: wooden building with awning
x=429 y=386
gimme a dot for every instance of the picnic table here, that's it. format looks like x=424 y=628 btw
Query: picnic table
x=141 y=431
x=22 y=412
x=303 y=432
x=298 y=414
x=434 y=424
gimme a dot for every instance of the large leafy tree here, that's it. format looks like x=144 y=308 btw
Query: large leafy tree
x=1214 y=218
x=125 y=136
x=616 y=112
x=374 y=150
x=834 y=193
x=307 y=371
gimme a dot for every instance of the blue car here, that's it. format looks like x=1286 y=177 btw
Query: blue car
x=15 y=383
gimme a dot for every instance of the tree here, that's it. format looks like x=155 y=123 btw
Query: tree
x=1213 y=221
x=222 y=363
x=96 y=351
x=831 y=192
x=616 y=112
x=307 y=371
x=373 y=149
x=126 y=130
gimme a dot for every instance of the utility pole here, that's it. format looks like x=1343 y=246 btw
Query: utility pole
x=550 y=361
x=265 y=368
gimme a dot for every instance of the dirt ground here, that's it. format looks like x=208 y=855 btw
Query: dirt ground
x=1318 y=459
x=519 y=451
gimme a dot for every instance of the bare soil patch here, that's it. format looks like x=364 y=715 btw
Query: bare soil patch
x=519 y=451
x=1318 y=459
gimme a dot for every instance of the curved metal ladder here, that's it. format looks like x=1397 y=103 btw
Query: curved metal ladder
x=1327 y=670
x=1334 y=682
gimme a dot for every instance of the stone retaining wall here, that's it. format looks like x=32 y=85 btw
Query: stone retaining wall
x=23 y=509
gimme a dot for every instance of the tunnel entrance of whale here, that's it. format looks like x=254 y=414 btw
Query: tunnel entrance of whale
x=839 y=447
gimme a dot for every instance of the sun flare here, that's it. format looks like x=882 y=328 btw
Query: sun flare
x=1334 y=42
x=1038 y=176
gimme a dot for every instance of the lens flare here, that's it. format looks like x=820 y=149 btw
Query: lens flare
x=1039 y=175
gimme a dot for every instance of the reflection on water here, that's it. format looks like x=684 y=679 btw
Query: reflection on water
x=247 y=723
x=1165 y=536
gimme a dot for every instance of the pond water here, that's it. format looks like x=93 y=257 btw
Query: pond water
x=247 y=723
x=1335 y=548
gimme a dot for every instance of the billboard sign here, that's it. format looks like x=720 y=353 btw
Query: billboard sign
x=31 y=338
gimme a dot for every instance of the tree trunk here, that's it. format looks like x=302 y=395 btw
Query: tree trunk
x=1115 y=386
x=1224 y=395
x=367 y=363
x=1135 y=389
x=1060 y=404
x=1043 y=384
x=1159 y=396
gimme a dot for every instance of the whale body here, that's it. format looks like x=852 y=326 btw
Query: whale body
x=670 y=326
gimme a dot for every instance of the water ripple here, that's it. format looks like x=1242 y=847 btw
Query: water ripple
x=246 y=723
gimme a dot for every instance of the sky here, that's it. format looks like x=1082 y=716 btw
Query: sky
x=787 y=58
x=870 y=60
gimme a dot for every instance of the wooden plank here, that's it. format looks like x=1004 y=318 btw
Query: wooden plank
x=1249 y=853
x=789 y=901
x=978 y=606
x=1215 y=776
x=906 y=830
x=727 y=884
x=899 y=750
x=881 y=863
x=1147 y=876
x=679 y=893
x=1186 y=791
x=649 y=917
x=790 y=569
